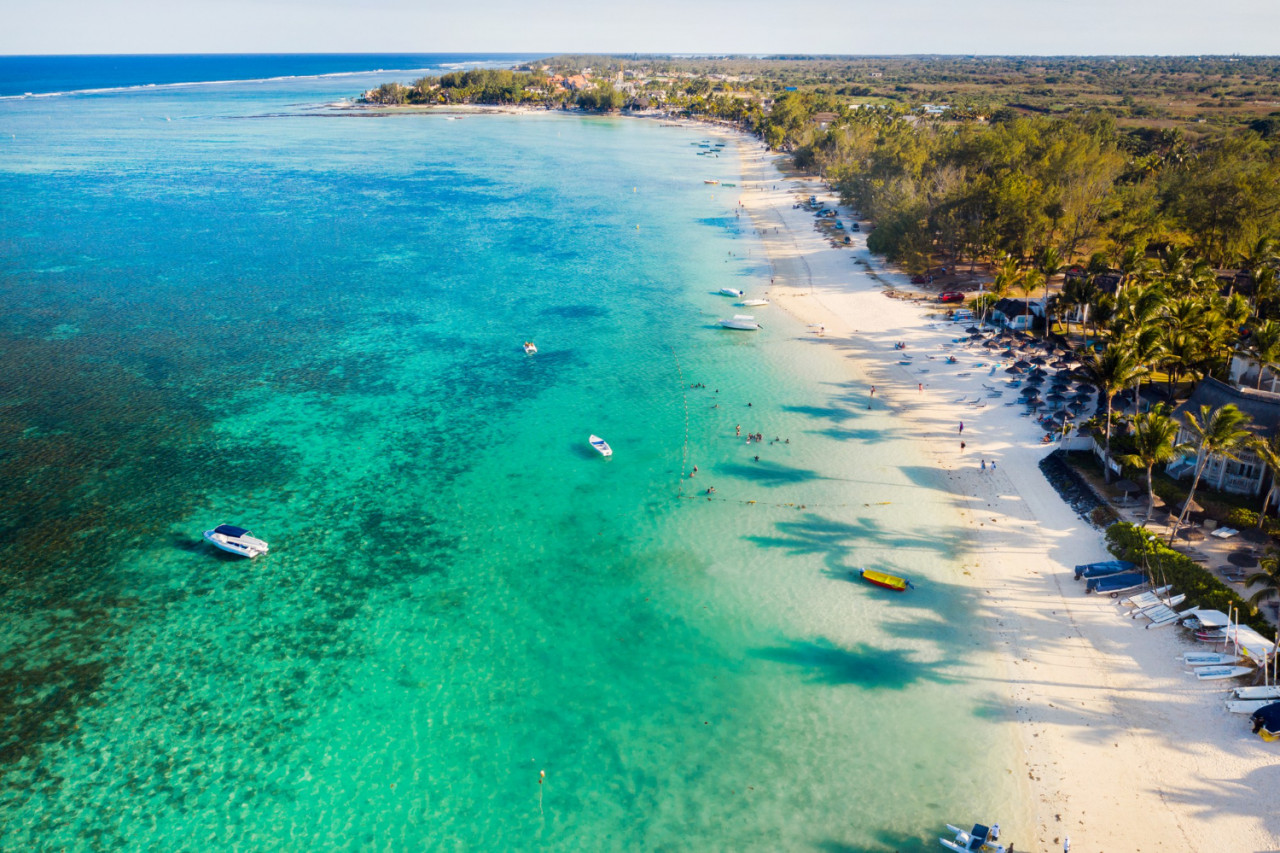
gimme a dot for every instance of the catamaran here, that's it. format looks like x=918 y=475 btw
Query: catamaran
x=1115 y=584
x=602 y=447
x=235 y=540
x=1146 y=599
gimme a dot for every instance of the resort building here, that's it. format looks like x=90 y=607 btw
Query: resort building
x=1017 y=314
x=1248 y=475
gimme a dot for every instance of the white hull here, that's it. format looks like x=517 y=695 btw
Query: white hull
x=241 y=546
x=1272 y=693
x=753 y=303
x=530 y=349
x=1146 y=599
x=601 y=446
x=729 y=291
x=1170 y=604
x=1216 y=673
x=1209 y=659
x=1248 y=706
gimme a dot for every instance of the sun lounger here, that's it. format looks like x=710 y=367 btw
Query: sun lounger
x=1224 y=532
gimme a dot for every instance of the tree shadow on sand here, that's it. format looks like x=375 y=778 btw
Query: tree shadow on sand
x=862 y=666
x=769 y=473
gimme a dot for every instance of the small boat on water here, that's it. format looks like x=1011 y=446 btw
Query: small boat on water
x=730 y=291
x=753 y=303
x=741 y=322
x=602 y=447
x=885 y=580
x=970 y=841
x=1216 y=673
x=529 y=348
x=235 y=540
x=711 y=181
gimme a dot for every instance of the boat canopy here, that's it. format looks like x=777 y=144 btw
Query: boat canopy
x=1249 y=642
x=228 y=530
x=1213 y=619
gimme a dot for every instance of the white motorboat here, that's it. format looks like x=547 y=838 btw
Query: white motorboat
x=1259 y=692
x=602 y=447
x=969 y=841
x=1209 y=658
x=753 y=303
x=1216 y=673
x=743 y=322
x=711 y=181
x=530 y=348
x=235 y=540
x=729 y=291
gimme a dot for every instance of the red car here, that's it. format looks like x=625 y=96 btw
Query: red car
x=951 y=296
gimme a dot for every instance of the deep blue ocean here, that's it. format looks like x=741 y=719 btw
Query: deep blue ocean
x=39 y=75
x=247 y=303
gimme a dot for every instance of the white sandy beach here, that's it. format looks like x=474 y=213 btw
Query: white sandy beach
x=1123 y=750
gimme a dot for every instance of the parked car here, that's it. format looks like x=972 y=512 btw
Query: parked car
x=951 y=296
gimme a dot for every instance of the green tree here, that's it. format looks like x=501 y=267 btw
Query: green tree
x=1264 y=348
x=1113 y=369
x=1154 y=434
x=1215 y=432
x=1268 y=452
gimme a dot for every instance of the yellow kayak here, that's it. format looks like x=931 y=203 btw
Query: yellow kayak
x=885 y=580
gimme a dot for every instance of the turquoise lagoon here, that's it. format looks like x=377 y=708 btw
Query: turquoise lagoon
x=226 y=304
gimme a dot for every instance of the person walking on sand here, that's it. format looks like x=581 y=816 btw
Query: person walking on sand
x=920 y=385
x=873 y=390
x=962 y=427
x=1066 y=844
x=984 y=464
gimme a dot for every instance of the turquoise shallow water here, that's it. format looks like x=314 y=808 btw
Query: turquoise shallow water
x=225 y=306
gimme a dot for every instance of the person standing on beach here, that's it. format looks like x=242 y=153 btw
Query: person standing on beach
x=1066 y=844
x=920 y=385
x=962 y=427
x=984 y=464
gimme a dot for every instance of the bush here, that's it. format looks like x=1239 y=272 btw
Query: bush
x=1129 y=542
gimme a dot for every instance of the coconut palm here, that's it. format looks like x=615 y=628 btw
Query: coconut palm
x=1267 y=580
x=1154 y=434
x=1050 y=264
x=1268 y=452
x=1264 y=348
x=1113 y=369
x=1216 y=432
x=1031 y=279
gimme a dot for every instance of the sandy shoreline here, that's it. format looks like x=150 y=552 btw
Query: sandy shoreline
x=1123 y=751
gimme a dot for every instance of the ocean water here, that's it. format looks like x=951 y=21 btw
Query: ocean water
x=228 y=304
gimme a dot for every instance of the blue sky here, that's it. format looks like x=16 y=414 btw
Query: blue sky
x=691 y=26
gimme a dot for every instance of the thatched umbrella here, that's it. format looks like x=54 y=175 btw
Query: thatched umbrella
x=1055 y=397
x=1191 y=534
x=1029 y=391
x=1244 y=558
x=990 y=344
x=1086 y=389
x=1127 y=486
x=1014 y=370
x=972 y=329
x=1039 y=360
x=1193 y=506
x=1023 y=363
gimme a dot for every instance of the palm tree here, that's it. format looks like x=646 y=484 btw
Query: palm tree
x=1217 y=432
x=1050 y=263
x=1268 y=452
x=1153 y=444
x=1031 y=279
x=1264 y=348
x=1267 y=580
x=1113 y=369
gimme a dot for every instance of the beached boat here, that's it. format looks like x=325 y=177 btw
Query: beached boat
x=1115 y=584
x=1146 y=599
x=753 y=303
x=1266 y=722
x=1104 y=568
x=1167 y=603
x=729 y=291
x=1247 y=706
x=1209 y=658
x=885 y=580
x=1163 y=615
x=1259 y=692
x=1217 y=673
x=967 y=841
x=602 y=447
x=235 y=540
x=741 y=322
x=529 y=348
